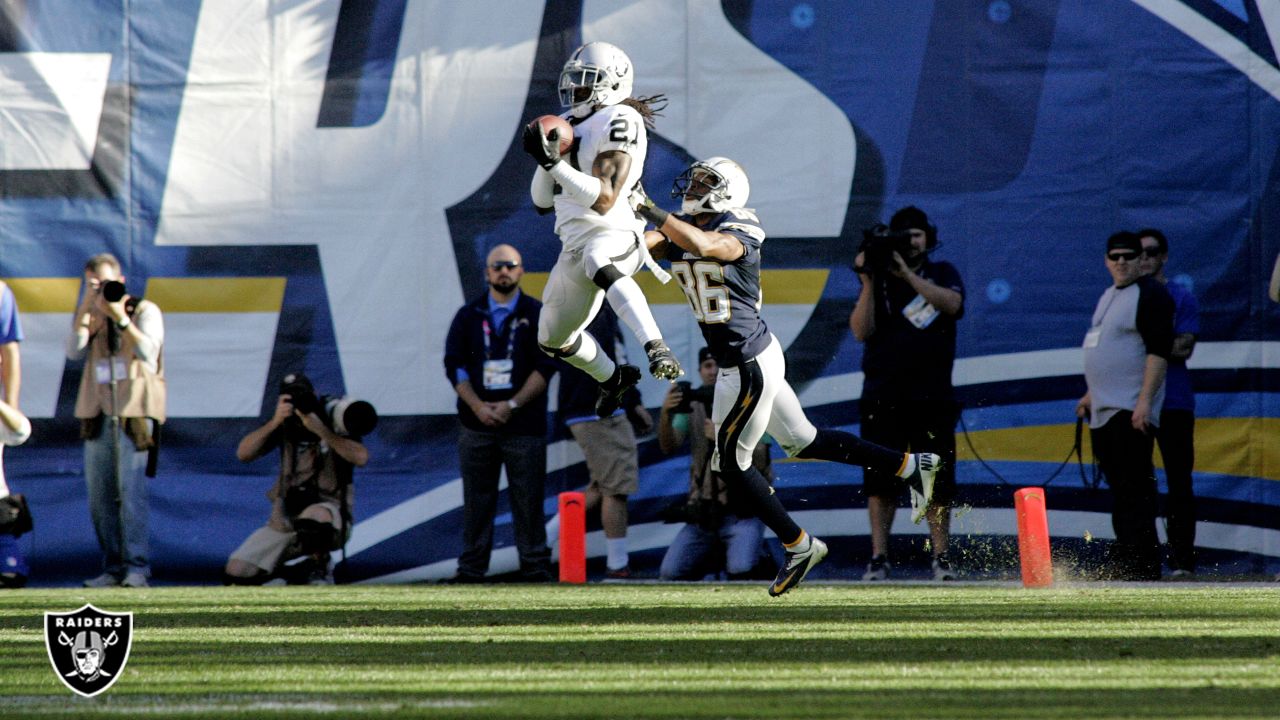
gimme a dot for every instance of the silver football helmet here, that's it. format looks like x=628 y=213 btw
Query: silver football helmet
x=596 y=74
x=712 y=185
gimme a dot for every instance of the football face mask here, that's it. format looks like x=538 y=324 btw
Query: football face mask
x=596 y=74
x=713 y=185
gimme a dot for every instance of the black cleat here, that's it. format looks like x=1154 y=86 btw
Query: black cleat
x=624 y=378
x=662 y=362
x=878 y=569
x=942 y=569
x=797 y=566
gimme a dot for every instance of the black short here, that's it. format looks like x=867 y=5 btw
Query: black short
x=916 y=427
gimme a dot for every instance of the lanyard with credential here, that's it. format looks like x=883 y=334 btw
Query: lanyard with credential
x=511 y=339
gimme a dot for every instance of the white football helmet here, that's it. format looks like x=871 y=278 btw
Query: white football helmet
x=725 y=182
x=596 y=74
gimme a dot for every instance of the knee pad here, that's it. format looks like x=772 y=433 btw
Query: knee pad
x=315 y=536
x=564 y=352
x=606 y=276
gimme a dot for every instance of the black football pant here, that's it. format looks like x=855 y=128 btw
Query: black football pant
x=1125 y=457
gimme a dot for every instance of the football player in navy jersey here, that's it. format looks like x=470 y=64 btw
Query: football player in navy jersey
x=588 y=189
x=714 y=247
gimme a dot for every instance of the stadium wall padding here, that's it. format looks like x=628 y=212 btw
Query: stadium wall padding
x=313 y=186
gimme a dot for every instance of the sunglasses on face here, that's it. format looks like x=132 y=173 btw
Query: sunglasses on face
x=504 y=265
x=1125 y=256
x=1152 y=251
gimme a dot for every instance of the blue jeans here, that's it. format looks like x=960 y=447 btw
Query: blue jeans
x=695 y=552
x=118 y=500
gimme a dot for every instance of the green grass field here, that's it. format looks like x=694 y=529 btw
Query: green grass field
x=664 y=651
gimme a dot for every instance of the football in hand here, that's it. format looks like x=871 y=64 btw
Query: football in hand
x=549 y=122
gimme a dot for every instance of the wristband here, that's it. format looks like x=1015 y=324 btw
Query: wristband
x=123 y=324
x=654 y=214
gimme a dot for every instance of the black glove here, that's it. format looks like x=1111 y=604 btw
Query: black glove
x=546 y=150
x=645 y=209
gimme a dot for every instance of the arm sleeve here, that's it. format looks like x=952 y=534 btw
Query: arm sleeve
x=542 y=189
x=583 y=188
x=1155 y=319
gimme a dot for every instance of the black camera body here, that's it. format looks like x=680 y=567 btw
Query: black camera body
x=705 y=513
x=705 y=394
x=879 y=243
x=346 y=416
x=301 y=393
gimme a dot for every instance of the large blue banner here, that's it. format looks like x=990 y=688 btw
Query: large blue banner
x=314 y=185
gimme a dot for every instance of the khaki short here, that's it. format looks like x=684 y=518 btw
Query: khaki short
x=266 y=547
x=609 y=446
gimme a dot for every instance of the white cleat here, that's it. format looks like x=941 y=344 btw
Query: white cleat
x=921 y=483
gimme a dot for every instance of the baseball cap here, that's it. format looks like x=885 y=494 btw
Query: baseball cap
x=1124 y=240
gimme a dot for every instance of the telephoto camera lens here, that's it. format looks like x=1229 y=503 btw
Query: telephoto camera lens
x=351 y=417
x=112 y=290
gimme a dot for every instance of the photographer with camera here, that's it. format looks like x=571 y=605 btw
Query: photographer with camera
x=311 y=501
x=120 y=405
x=721 y=534
x=906 y=314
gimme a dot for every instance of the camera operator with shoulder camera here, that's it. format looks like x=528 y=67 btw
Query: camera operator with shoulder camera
x=311 y=501
x=120 y=405
x=906 y=314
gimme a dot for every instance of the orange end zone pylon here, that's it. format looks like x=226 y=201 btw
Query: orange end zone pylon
x=573 y=537
x=1033 y=537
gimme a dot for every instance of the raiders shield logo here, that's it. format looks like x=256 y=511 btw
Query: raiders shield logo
x=88 y=647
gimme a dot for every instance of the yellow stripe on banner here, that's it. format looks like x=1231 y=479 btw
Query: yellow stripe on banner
x=784 y=287
x=1240 y=447
x=45 y=295
x=217 y=295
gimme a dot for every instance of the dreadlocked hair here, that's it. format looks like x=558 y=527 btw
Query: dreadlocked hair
x=649 y=107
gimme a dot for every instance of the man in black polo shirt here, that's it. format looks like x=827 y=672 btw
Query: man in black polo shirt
x=493 y=362
x=906 y=314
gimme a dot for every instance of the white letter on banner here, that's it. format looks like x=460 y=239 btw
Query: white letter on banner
x=250 y=167
x=50 y=107
x=730 y=98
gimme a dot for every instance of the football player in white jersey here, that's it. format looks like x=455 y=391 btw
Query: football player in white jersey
x=714 y=245
x=603 y=239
